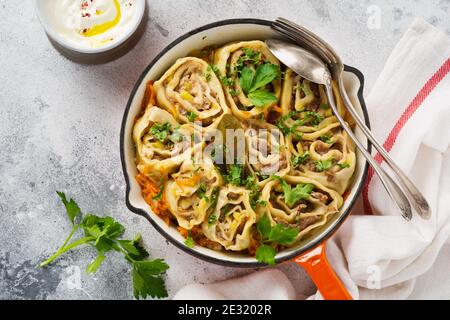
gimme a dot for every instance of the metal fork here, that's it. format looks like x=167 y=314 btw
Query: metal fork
x=314 y=43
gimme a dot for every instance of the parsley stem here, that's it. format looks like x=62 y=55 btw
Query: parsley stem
x=130 y=259
x=66 y=247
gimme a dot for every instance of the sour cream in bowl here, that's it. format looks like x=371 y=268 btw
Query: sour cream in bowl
x=90 y=26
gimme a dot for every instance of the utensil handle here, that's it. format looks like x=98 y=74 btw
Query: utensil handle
x=418 y=200
x=316 y=265
x=393 y=189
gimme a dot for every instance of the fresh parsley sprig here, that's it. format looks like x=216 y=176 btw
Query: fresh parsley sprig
x=253 y=83
x=103 y=233
x=272 y=236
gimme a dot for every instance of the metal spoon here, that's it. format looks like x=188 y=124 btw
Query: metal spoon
x=320 y=47
x=312 y=68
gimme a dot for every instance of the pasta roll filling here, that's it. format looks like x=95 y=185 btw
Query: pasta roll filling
x=231 y=221
x=267 y=153
x=161 y=142
x=191 y=91
x=192 y=193
x=251 y=76
x=299 y=202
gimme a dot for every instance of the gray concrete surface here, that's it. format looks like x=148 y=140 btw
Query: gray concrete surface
x=60 y=125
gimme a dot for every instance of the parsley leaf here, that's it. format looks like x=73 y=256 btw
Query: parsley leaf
x=283 y=235
x=147 y=280
x=323 y=165
x=265 y=74
x=72 y=208
x=246 y=80
x=266 y=254
x=292 y=196
x=300 y=159
x=262 y=98
x=278 y=234
x=264 y=226
x=189 y=242
x=133 y=248
x=253 y=83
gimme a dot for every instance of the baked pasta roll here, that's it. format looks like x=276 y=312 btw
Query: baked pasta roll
x=330 y=160
x=190 y=91
x=251 y=77
x=190 y=192
x=305 y=112
x=231 y=222
x=267 y=152
x=162 y=144
x=299 y=202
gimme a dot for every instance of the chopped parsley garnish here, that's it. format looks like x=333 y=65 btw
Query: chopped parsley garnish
x=226 y=81
x=308 y=117
x=201 y=191
x=212 y=219
x=300 y=159
x=344 y=165
x=234 y=174
x=214 y=197
x=312 y=118
x=103 y=233
x=189 y=242
x=159 y=195
x=323 y=165
x=208 y=73
x=250 y=56
x=160 y=131
x=191 y=116
x=325 y=138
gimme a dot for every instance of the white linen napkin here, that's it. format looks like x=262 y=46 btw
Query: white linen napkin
x=379 y=256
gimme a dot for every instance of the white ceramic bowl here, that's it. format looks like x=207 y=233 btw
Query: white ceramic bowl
x=71 y=48
x=218 y=33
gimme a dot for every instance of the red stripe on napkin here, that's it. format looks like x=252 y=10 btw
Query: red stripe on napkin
x=418 y=100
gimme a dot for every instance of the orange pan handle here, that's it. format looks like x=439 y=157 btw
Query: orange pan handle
x=316 y=265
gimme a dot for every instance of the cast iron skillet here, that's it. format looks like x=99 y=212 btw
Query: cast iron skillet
x=310 y=254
